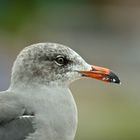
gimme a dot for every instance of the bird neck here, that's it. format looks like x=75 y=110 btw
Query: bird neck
x=31 y=85
x=55 y=110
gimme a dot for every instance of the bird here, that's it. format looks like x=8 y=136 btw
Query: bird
x=38 y=104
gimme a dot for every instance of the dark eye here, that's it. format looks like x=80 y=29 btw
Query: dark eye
x=60 y=60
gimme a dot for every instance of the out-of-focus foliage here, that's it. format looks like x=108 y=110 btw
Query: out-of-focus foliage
x=105 y=33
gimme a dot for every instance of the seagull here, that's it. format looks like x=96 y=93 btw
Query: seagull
x=38 y=104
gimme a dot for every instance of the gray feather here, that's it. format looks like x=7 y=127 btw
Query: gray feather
x=17 y=129
x=13 y=125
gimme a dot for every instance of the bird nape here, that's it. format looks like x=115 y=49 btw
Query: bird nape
x=38 y=104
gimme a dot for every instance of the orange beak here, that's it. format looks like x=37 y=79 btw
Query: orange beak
x=102 y=74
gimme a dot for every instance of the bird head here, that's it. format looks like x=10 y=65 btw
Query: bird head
x=51 y=63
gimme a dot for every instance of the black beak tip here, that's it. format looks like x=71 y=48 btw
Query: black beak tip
x=113 y=78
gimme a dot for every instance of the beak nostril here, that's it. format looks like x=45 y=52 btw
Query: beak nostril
x=93 y=69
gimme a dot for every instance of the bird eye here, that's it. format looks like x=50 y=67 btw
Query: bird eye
x=60 y=60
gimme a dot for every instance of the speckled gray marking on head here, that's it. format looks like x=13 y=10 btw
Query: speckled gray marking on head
x=35 y=64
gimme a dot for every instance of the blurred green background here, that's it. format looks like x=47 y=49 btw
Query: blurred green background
x=105 y=33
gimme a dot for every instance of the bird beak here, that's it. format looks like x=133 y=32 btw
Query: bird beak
x=102 y=74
